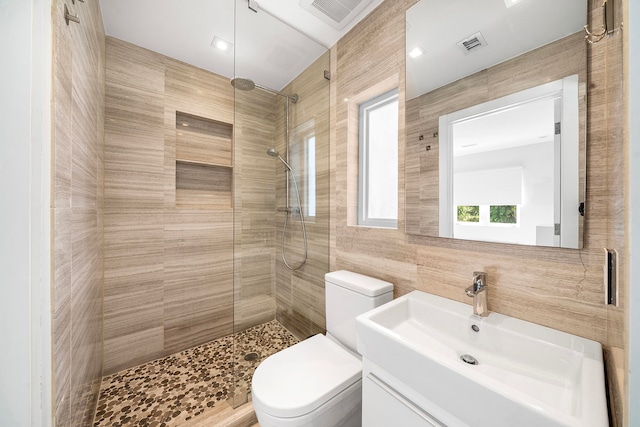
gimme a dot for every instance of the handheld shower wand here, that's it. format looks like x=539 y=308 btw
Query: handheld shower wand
x=274 y=153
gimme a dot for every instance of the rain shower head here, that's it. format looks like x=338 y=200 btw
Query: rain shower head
x=241 y=83
x=274 y=153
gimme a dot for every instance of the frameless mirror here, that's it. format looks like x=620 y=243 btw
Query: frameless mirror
x=495 y=121
x=509 y=168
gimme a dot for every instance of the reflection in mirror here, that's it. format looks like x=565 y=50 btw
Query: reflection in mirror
x=447 y=40
x=509 y=168
x=522 y=45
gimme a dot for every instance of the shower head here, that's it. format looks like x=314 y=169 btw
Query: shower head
x=241 y=83
x=274 y=153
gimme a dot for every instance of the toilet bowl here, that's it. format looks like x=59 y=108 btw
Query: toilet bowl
x=317 y=382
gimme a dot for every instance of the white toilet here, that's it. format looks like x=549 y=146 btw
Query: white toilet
x=317 y=382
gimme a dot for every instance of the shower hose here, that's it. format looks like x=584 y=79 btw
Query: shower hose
x=304 y=231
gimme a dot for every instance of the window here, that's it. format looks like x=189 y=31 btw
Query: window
x=487 y=215
x=302 y=157
x=378 y=147
x=505 y=214
x=468 y=213
x=310 y=190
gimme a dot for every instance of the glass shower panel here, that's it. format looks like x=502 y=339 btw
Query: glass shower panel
x=281 y=141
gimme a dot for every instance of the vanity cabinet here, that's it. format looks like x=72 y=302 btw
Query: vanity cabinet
x=382 y=406
x=388 y=401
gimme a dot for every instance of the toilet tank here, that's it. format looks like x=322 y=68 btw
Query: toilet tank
x=348 y=295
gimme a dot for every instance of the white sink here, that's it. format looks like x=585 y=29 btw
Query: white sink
x=527 y=374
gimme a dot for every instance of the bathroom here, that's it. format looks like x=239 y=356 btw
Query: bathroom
x=559 y=288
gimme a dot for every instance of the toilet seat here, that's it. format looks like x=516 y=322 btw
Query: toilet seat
x=300 y=379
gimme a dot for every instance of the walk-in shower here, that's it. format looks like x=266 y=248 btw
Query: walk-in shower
x=245 y=84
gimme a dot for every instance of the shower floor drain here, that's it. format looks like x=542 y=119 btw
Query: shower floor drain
x=251 y=357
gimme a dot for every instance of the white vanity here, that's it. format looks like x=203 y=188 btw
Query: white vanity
x=428 y=361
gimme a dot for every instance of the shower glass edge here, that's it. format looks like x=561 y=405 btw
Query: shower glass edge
x=271 y=303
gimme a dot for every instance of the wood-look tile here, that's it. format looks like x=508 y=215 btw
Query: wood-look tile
x=61 y=315
x=254 y=208
x=133 y=290
x=166 y=270
x=62 y=117
x=198 y=92
x=202 y=140
x=198 y=279
x=78 y=102
x=144 y=74
x=125 y=351
x=86 y=300
x=134 y=117
x=312 y=109
x=134 y=168
x=84 y=167
x=207 y=186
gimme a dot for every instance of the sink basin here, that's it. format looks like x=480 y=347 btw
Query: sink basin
x=526 y=374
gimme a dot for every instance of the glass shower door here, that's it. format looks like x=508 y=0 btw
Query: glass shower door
x=281 y=135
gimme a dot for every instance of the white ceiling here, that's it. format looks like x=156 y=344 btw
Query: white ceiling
x=525 y=124
x=266 y=50
x=437 y=26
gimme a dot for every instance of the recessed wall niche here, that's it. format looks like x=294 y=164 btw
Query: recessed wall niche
x=204 y=164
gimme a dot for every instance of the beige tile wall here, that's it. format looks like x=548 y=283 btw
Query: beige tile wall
x=169 y=257
x=558 y=288
x=77 y=212
x=254 y=208
x=134 y=206
x=300 y=293
x=607 y=60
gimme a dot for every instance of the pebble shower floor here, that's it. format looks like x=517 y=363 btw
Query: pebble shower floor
x=178 y=388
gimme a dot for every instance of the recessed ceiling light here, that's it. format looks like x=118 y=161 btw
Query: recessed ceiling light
x=221 y=44
x=510 y=3
x=416 y=52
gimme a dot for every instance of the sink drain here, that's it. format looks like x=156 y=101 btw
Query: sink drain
x=467 y=358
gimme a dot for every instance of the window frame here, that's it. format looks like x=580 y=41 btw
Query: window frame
x=300 y=161
x=364 y=111
x=310 y=185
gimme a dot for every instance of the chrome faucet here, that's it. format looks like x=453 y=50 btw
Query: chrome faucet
x=478 y=290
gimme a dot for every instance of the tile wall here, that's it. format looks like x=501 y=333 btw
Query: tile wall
x=169 y=256
x=300 y=293
x=77 y=211
x=558 y=288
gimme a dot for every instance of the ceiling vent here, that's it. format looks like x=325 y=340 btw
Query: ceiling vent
x=472 y=43
x=336 y=13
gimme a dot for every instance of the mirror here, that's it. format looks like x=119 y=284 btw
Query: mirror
x=495 y=119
